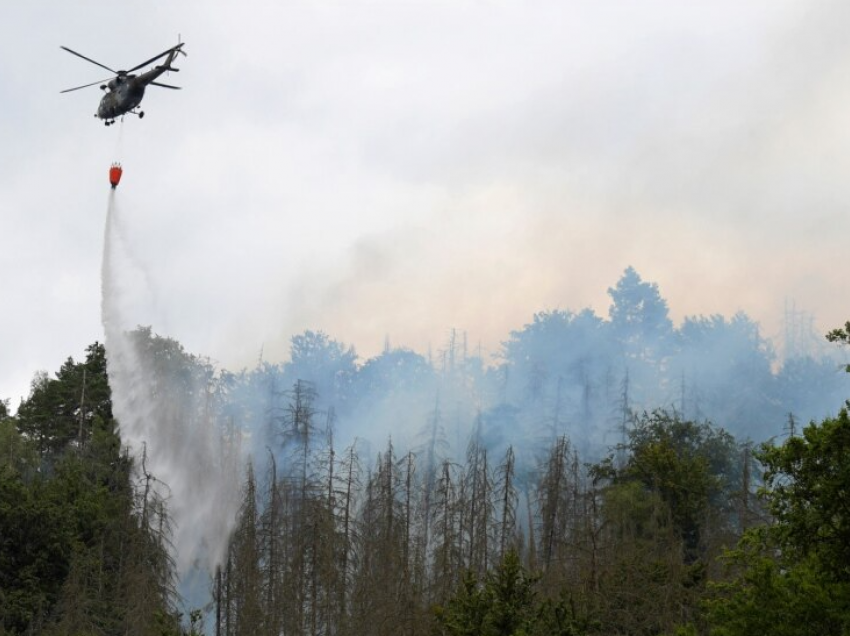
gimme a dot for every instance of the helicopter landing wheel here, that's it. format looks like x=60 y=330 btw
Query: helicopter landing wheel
x=141 y=114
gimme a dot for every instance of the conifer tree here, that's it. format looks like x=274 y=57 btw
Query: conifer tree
x=506 y=494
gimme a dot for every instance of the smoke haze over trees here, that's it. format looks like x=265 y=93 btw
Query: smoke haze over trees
x=564 y=373
x=592 y=464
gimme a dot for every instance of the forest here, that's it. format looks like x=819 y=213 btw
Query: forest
x=598 y=476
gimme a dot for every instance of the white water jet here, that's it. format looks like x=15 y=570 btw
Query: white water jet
x=166 y=417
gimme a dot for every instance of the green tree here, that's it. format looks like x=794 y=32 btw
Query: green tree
x=640 y=317
x=34 y=550
x=841 y=336
x=75 y=556
x=693 y=467
x=506 y=603
x=63 y=409
x=770 y=594
x=793 y=576
x=806 y=488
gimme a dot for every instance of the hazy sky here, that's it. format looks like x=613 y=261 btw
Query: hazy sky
x=396 y=169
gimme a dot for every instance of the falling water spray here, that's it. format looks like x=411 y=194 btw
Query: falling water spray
x=186 y=462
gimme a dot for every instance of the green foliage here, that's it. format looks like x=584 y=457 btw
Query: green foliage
x=637 y=307
x=17 y=454
x=770 y=595
x=560 y=618
x=793 y=577
x=464 y=614
x=36 y=534
x=806 y=489
x=691 y=466
x=62 y=410
x=506 y=604
x=841 y=336
x=74 y=558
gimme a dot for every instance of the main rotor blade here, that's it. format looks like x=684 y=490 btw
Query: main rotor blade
x=153 y=59
x=68 y=90
x=177 y=88
x=88 y=59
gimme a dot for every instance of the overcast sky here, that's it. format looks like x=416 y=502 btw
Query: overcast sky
x=397 y=169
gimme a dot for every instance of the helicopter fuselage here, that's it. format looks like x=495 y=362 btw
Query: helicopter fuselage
x=122 y=97
x=125 y=92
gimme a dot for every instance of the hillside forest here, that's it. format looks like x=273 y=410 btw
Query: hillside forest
x=616 y=475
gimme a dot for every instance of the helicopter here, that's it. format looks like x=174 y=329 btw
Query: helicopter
x=125 y=91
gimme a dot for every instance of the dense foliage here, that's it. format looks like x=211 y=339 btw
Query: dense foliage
x=79 y=549
x=600 y=478
x=793 y=576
